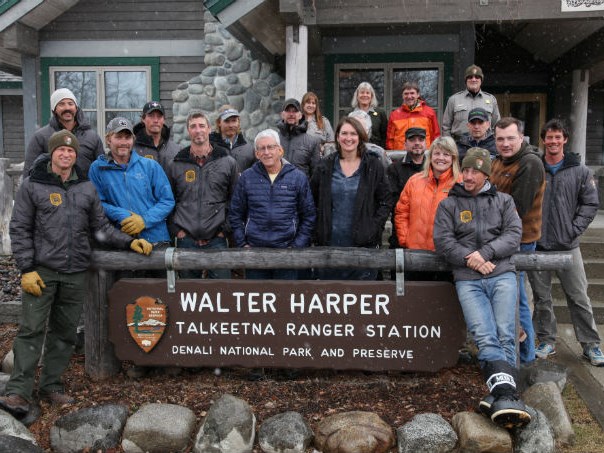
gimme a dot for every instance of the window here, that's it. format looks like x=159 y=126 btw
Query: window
x=387 y=80
x=105 y=92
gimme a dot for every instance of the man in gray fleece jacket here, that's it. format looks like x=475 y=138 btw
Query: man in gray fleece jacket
x=477 y=230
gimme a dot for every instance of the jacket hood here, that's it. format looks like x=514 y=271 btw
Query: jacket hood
x=82 y=122
x=418 y=108
x=570 y=160
x=184 y=155
x=216 y=137
x=298 y=129
x=39 y=172
x=142 y=138
x=525 y=149
x=458 y=190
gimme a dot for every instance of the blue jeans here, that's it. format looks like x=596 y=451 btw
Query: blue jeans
x=489 y=308
x=215 y=243
x=527 y=347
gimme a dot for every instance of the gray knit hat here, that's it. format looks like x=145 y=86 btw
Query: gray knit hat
x=60 y=94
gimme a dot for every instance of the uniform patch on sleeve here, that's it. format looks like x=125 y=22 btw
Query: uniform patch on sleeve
x=55 y=199
x=190 y=175
x=465 y=216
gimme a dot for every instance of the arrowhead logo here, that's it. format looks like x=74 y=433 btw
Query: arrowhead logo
x=146 y=319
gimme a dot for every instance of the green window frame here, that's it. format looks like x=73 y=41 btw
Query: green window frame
x=99 y=69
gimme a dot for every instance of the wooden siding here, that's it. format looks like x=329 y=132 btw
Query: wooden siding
x=128 y=19
x=172 y=72
x=12 y=125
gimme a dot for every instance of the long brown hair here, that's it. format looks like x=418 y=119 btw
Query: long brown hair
x=358 y=127
x=318 y=116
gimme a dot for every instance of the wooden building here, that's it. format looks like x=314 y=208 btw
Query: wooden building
x=541 y=58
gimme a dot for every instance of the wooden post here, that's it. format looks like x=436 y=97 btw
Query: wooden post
x=6 y=203
x=101 y=362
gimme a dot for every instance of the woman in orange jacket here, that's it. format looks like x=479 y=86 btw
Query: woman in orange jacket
x=416 y=208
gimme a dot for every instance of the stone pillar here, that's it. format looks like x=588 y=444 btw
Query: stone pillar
x=578 y=113
x=296 y=61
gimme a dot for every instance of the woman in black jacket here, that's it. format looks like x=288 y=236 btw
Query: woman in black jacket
x=352 y=198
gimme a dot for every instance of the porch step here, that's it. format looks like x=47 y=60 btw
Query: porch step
x=563 y=315
x=595 y=290
x=592 y=244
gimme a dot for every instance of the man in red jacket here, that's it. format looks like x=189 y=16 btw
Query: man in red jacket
x=413 y=113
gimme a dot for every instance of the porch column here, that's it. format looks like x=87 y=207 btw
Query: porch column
x=578 y=112
x=30 y=98
x=296 y=61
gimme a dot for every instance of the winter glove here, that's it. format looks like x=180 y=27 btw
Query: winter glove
x=32 y=283
x=133 y=225
x=141 y=246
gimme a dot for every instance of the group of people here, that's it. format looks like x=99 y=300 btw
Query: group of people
x=476 y=197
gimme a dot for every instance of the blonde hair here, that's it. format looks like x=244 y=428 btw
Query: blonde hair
x=448 y=145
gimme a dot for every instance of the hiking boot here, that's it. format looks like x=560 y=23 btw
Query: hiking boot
x=545 y=350
x=594 y=355
x=59 y=398
x=15 y=404
x=509 y=412
x=485 y=405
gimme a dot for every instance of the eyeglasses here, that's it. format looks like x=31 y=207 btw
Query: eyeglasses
x=474 y=77
x=272 y=147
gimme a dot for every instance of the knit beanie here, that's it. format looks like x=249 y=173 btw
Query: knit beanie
x=58 y=95
x=62 y=138
x=478 y=159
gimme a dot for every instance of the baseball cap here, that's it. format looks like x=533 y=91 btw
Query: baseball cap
x=291 y=101
x=152 y=106
x=229 y=113
x=478 y=114
x=415 y=132
x=119 y=124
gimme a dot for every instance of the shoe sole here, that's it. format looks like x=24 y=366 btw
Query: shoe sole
x=17 y=411
x=542 y=356
x=598 y=364
x=485 y=409
x=511 y=418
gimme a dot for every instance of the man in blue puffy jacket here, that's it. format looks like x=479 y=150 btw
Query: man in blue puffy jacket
x=272 y=205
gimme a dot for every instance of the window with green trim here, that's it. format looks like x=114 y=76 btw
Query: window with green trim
x=105 y=92
x=387 y=80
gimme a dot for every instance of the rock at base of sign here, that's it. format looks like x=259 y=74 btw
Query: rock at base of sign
x=426 y=433
x=285 y=432
x=354 y=432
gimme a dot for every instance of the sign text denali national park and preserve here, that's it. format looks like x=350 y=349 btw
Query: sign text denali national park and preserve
x=286 y=324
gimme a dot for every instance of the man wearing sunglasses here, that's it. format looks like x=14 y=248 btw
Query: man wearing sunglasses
x=461 y=103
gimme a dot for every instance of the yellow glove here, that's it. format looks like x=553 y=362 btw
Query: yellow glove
x=32 y=283
x=141 y=246
x=133 y=225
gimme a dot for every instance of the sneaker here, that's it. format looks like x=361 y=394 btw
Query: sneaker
x=594 y=355
x=15 y=404
x=59 y=398
x=545 y=350
x=509 y=412
x=484 y=406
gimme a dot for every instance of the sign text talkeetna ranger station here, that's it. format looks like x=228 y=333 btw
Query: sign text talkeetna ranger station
x=301 y=324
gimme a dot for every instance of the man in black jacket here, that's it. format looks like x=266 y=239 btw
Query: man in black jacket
x=65 y=115
x=570 y=203
x=301 y=149
x=56 y=212
x=153 y=136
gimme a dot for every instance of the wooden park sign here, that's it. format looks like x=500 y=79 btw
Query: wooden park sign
x=286 y=324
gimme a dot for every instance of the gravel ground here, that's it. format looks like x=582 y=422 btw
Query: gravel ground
x=10 y=279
